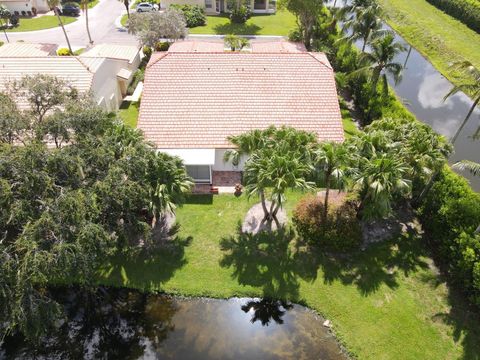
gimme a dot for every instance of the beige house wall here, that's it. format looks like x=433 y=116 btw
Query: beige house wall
x=166 y=3
x=26 y=5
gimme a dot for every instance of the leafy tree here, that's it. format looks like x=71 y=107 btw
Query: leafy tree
x=153 y=26
x=12 y=123
x=278 y=159
x=54 y=4
x=380 y=62
x=331 y=161
x=307 y=13
x=84 y=7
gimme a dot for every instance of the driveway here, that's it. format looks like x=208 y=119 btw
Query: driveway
x=102 y=28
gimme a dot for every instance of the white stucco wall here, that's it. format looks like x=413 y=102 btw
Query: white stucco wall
x=221 y=165
x=26 y=5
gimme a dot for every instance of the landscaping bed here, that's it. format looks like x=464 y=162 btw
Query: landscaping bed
x=41 y=23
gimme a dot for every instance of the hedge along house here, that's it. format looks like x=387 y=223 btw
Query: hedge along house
x=196 y=95
x=221 y=6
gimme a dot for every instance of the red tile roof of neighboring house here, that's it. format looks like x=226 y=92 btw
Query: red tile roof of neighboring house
x=196 y=100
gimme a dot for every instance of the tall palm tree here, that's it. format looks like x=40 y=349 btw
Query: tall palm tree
x=365 y=25
x=331 y=162
x=380 y=62
x=54 y=4
x=472 y=88
x=84 y=6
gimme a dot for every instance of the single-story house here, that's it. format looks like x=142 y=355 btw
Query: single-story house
x=21 y=49
x=39 y=6
x=131 y=55
x=192 y=101
x=220 y=6
x=106 y=78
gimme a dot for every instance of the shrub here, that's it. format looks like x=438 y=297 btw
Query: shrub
x=450 y=214
x=63 y=52
x=467 y=11
x=194 y=14
x=137 y=77
x=240 y=15
x=14 y=20
x=2 y=43
x=162 y=46
x=235 y=42
x=147 y=51
x=295 y=35
x=340 y=233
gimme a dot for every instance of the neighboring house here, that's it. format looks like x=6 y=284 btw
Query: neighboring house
x=220 y=6
x=192 y=101
x=132 y=55
x=106 y=78
x=40 y=6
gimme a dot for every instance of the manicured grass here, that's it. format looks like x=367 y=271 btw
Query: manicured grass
x=385 y=303
x=124 y=20
x=128 y=112
x=93 y=3
x=40 y=23
x=438 y=36
x=280 y=23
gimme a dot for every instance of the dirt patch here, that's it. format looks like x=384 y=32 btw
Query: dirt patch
x=253 y=220
x=335 y=197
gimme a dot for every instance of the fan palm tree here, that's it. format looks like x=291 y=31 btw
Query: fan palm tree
x=84 y=7
x=54 y=4
x=378 y=180
x=472 y=87
x=331 y=163
x=380 y=62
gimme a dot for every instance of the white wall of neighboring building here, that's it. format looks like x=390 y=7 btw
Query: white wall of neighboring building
x=26 y=5
x=221 y=165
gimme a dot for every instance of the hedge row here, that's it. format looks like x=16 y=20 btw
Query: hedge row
x=467 y=11
x=450 y=215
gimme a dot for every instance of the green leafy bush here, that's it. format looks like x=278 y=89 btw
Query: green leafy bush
x=2 y=43
x=240 y=15
x=147 y=51
x=162 y=46
x=194 y=14
x=450 y=214
x=340 y=233
x=467 y=11
x=138 y=76
x=63 y=52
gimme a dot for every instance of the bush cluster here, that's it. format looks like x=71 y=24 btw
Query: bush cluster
x=138 y=76
x=194 y=14
x=450 y=214
x=162 y=46
x=467 y=11
x=63 y=52
x=341 y=231
x=240 y=15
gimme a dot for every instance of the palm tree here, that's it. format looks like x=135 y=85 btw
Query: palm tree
x=366 y=24
x=84 y=6
x=380 y=62
x=127 y=6
x=378 y=180
x=330 y=161
x=53 y=4
x=472 y=88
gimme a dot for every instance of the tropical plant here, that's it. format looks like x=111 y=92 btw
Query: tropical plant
x=54 y=4
x=278 y=159
x=472 y=88
x=235 y=42
x=380 y=62
x=330 y=161
x=469 y=165
x=84 y=7
x=151 y=27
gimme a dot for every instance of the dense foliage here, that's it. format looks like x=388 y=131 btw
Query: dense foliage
x=240 y=15
x=340 y=231
x=467 y=11
x=450 y=214
x=194 y=14
x=75 y=186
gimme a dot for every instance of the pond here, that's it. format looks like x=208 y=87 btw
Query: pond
x=125 y=324
x=422 y=90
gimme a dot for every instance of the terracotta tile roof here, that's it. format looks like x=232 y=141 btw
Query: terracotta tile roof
x=277 y=46
x=197 y=46
x=196 y=100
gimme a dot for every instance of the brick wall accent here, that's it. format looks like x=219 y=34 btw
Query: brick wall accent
x=201 y=189
x=226 y=178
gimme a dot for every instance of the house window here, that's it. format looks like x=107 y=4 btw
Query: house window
x=260 y=4
x=208 y=4
x=199 y=173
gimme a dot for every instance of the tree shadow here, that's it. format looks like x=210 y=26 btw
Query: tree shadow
x=269 y=260
x=199 y=199
x=266 y=310
x=238 y=29
x=147 y=271
x=379 y=264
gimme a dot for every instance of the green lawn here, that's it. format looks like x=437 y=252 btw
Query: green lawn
x=385 y=303
x=93 y=3
x=438 y=36
x=280 y=23
x=43 y=22
x=128 y=112
x=124 y=20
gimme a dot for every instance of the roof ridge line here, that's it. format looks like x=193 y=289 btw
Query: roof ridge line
x=329 y=66
x=150 y=64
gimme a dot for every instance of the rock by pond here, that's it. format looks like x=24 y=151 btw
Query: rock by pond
x=125 y=324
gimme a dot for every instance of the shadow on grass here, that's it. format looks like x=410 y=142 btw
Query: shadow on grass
x=147 y=272
x=237 y=29
x=199 y=199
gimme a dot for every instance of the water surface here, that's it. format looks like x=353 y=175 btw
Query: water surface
x=123 y=324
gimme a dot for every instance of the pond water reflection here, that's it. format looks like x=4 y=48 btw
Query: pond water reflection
x=123 y=324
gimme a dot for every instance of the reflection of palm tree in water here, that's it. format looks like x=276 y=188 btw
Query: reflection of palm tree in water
x=266 y=310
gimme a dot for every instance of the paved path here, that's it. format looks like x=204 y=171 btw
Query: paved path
x=102 y=27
